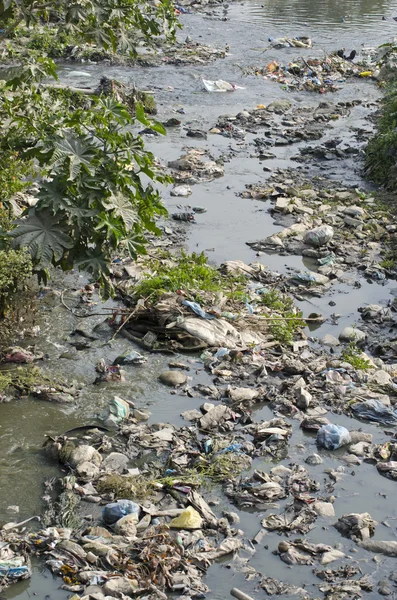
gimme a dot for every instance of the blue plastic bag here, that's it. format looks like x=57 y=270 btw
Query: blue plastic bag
x=332 y=436
x=373 y=410
x=114 y=511
x=196 y=308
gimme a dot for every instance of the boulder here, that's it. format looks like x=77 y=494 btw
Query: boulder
x=173 y=378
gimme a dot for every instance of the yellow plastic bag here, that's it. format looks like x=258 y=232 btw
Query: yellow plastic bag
x=188 y=519
x=366 y=74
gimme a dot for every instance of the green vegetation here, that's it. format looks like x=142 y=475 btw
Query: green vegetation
x=89 y=166
x=288 y=321
x=190 y=273
x=381 y=152
x=354 y=356
x=15 y=268
x=20 y=379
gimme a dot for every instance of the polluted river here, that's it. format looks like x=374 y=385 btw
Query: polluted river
x=305 y=138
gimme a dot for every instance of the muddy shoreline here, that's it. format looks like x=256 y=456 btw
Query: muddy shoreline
x=314 y=150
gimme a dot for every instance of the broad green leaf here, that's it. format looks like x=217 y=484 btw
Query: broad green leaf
x=122 y=207
x=95 y=262
x=44 y=237
x=77 y=152
x=136 y=245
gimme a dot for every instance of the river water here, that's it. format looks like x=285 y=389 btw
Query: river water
x=223 y=232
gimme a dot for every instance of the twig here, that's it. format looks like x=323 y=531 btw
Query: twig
x=128 y=318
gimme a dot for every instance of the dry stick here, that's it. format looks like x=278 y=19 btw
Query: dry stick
x=127 y=319
x=72 y=310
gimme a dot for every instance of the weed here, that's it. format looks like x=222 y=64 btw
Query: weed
x=15 y=269
x=188 y=272
x=354 y=356
x=282 y=329
x=22 y=379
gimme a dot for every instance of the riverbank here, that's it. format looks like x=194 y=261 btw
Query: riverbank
x=232 y=220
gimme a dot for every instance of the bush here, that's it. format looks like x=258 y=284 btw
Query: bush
x=15 y=268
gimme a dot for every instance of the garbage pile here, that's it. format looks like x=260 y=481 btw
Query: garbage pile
x=331 y=226
x=284 y=123
x=319 y=75
x=191 y=168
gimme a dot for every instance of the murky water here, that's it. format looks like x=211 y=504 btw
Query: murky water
x=222 y=232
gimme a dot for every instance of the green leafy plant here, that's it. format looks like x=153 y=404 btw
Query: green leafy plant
x=93 y=199
x=287 y=320
x=354 y=356
x=15 y=268
x=108 y=24
x=188 y=272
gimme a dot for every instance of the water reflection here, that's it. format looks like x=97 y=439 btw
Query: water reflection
x=351 y=13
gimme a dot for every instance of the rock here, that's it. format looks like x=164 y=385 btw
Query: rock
x=87 y=471
x=279 y=106
x=85 y=454
x=352 y=334
x=380 y=378
x=356 y=526
x=173 y=378
x=117 y=586
x=215 y=416
x=141 y=414
x=319 y=236
x=115 y=462
x=329 y=340
x=384 y=588
x=359 y=449
x=314 y=459
x=126 y=526
x=191 y=415
x=323 y=509
x=381 y=547
x=313 y=423
x=240 y=394
x=331 y=556
x=283 y=204
x=360 y=436
x=181 y=190
x=303 y=398
x=355 y=211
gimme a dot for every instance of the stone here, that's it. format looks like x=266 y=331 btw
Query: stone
x=384 y=588
x=173 y=378
x=360 y=436
x=331 y=556
x=85 y=454
x=282 y=204
x=356 y=526
x=117 y=586
x=279 y=106
x=303 y=398
x=329 y=340
x=314 y=459
x=359 y=449
x=115 y=462
x=323 y=509
x=191 y=415
x=87 y=471
x=380 y=377
x=352 y=334
x=141 y=414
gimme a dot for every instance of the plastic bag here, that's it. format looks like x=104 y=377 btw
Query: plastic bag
x=272 y=66
x=114 y=511
x=15 y=568
x=188 y=519
x=320 y=236
x=332 y=436
x=117 y=410
x=218 y=86
x=373 y=410
x=196 y=308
